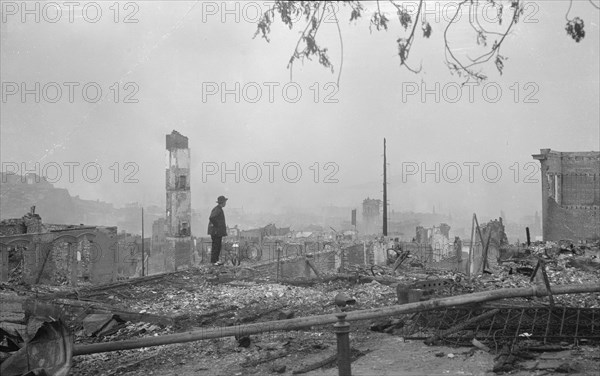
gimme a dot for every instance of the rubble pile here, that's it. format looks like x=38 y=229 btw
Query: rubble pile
x=209 y=297
x=564 y=263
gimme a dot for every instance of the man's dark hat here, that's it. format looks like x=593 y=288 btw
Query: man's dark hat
x=221 y=199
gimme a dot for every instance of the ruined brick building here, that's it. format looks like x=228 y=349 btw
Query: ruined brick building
x=570 y=194
x=34 y=252
x=172 y=245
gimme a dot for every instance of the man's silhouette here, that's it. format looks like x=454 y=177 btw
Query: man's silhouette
x=217 y=229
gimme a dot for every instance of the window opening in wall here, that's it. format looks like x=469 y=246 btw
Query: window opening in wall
x=181 y=182
x=184 y=229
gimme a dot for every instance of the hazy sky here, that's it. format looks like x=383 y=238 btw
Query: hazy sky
x=178 y=56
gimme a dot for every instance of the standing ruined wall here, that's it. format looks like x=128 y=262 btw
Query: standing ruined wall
x=440 y=242
x=178 y=246
x=433 y=244
x=12 y=226
x=102 y=251
x=129 y=256
x=422 y=235
x=64 y=257
x=355 y=255
x=177 y=184
x=371 y=216
x=329 y=259
x=379 y=251
x=495 y=231
x=570 y=194
x=28 y=224
x=59 y=269
x=156 y=260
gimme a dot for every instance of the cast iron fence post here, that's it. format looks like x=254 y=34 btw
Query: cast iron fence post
x=342 y=331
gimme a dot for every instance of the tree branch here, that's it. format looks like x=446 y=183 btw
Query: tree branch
x=404 y=44
x=295 y=54
x=461 y=65
x=337 y=23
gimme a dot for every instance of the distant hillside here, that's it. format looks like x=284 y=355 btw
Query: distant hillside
x=19 y=194
x=56 y=205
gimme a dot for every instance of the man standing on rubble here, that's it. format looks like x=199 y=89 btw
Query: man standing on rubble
x=217 y=229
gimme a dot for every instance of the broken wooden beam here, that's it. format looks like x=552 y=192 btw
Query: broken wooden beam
x=68 y=309
x=304 y=322
x=270 y=358
x=485 y=264
x=546 y=281
x=540 y=267
x=401 y=258
x=312 y=265
x=339 y=277
x=131 y=281
x=318 y=364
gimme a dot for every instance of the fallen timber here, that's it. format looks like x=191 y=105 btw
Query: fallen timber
x=304 y=322
x=55 y=307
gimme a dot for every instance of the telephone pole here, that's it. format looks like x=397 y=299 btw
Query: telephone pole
x=143 y=253
x=385 y=218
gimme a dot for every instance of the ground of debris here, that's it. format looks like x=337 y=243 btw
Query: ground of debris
x=210 y=297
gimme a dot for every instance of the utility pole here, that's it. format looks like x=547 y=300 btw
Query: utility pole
x=143 y=255
x=385 y=218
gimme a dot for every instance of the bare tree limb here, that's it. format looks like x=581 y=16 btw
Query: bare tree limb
x=337 y=23
x=463 y=66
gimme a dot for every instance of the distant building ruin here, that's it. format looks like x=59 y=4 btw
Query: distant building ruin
x=437 y=241
x=371 y=216
x=570 y=194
